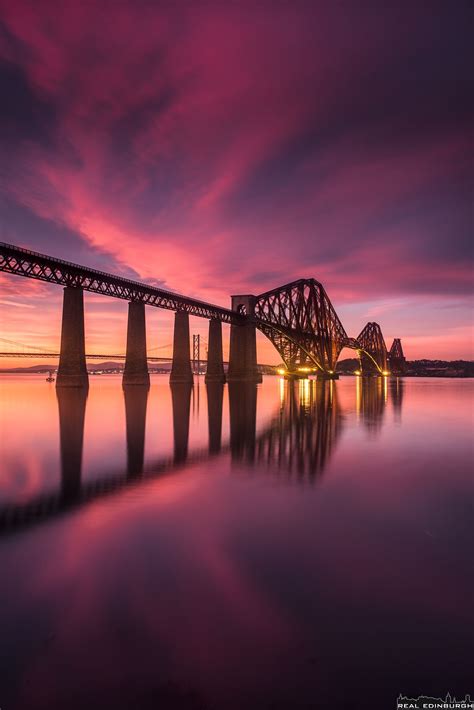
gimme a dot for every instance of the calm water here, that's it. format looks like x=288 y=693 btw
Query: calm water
x=304 y=545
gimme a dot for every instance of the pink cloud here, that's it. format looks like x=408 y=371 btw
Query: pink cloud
x=221 y=150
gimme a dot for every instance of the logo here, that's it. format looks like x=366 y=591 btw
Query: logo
x=423 y=702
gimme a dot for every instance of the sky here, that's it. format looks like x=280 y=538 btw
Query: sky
x=218 y=148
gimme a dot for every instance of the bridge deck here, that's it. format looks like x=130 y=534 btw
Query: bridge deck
x=30 y=264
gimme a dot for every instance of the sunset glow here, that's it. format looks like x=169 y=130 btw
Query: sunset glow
x=214 y=149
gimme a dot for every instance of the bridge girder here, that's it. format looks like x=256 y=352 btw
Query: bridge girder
x=30 y=264
x=298 y=318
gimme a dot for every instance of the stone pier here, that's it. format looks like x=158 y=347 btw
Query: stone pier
x=181 y=372
x=72 y=370
x=136 y=365
x=243 y=343
x=215 y=362
x=243 y=354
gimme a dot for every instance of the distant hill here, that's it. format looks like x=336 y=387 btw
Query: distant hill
x=415 y=368
x=46 y=368
x=107 y=366
x=31 y=369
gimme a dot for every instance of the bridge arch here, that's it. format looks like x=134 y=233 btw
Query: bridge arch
x=300 y=321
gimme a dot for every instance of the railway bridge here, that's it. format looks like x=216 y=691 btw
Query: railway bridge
x=298 y=318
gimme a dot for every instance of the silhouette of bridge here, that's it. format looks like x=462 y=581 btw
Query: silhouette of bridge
x=297 y=318
x=295 y=445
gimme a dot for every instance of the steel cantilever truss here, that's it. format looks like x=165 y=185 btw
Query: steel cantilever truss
x=22 y=262
x=396 y=358
x=371 y=345
x=302 y=324
x=298 y=318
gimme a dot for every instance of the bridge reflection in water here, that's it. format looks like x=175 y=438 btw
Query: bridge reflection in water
x=295 y=444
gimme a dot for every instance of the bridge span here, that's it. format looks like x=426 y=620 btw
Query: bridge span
x=298 y=318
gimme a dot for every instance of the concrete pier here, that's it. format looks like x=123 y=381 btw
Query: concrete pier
x=215 y=361
x=72 y=370
x=136 y=365
x=243 y=343
x=181 y=372
x=243 y=354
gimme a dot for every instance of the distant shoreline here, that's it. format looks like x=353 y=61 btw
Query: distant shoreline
x=452 y=369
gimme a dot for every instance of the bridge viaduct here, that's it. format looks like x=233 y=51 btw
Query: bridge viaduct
x=298 y=319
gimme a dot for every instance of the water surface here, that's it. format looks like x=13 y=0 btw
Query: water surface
x=291 y=545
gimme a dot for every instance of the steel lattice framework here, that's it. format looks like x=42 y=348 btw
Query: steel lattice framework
x=298 y=318
x=396 y=358
x=302 y=324
x=396 y=351
x=371 y=343
x=23 y=262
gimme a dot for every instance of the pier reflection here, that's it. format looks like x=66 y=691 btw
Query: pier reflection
x=396 y=387
x=215 y=396
x=136 y=398
x=296 y=442
x=304 y=433
x=72 y=410
x=243 y=420
x=181 y=401
x=371 y=399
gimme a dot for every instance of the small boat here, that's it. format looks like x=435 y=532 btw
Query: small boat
x=50 y=377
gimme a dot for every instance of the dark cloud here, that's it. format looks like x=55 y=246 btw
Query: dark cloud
x=47 y=236
x=25 y=114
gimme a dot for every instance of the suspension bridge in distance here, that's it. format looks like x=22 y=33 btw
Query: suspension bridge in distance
x=298 y=318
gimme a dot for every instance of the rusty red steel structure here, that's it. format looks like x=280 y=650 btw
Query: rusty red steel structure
x=302 y=324
x=396 y=358
x=31 y=264
x=372 y=349
x=298 y=318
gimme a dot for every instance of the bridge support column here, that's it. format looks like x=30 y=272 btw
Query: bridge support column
x=243 y=354
x=215 y=363
x=136 y=366
x=181 y=371
x=72 y=370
